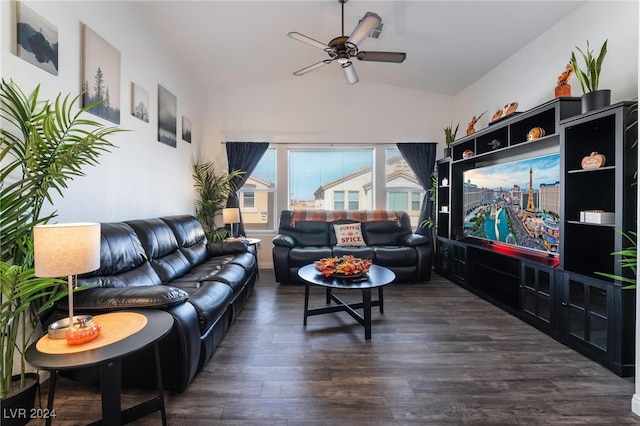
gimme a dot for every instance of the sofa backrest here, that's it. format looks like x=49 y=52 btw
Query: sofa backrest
x=192 y=242
x=321 y=233
x=123 y=261
x=161 y=247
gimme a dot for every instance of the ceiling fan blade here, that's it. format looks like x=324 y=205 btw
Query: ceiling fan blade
x=349 y=72
x=312 y=67
x=308 y=40
x=367 y=24
x=395 y=57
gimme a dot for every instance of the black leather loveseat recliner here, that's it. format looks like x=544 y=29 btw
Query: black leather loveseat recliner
x=167 y=263
x=389 y=241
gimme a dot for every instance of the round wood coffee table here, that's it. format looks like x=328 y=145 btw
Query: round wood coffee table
x=377 y=277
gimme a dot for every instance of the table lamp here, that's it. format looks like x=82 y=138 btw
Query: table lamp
x=68 y=250
x=231 y=216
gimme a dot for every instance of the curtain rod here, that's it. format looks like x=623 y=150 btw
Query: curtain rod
x=335 y=143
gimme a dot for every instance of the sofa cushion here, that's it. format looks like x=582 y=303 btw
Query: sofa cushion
x=396 y=256
x=364 y=252
x=348 y=234
x=210 y=300
x=384 y=233
x=161 y=247
x=189 y=234
x=115 y=299
x=301 y=256
x=123 y=261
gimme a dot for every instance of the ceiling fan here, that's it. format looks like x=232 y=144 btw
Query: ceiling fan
x=341 y=49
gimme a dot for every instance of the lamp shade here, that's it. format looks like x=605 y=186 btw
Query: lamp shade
x=231 y=215
x=66 y=249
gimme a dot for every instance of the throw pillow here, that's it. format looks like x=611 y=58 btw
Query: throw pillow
x=349 y=234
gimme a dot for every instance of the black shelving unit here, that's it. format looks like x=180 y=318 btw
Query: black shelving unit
x=562 y=295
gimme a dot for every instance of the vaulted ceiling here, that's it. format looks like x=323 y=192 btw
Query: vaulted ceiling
x=449 y=44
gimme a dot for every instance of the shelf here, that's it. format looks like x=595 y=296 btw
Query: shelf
x=599 y=169
x=577 y=222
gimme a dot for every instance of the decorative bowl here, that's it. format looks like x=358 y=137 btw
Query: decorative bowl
x=347 y=266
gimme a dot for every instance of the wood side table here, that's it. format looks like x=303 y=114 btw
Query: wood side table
x=108 y=359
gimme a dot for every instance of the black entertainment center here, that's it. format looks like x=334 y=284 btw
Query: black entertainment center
x=560 y=234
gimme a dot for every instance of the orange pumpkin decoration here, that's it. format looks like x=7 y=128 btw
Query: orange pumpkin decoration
x=593 y=161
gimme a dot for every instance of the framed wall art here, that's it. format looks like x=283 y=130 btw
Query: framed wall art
x=100 y=76
x=37 y=39
x=167 y=117
x=186 y=129
x=139 y=103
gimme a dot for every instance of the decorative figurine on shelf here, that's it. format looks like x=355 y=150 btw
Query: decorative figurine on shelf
x=593 y=161
x=536 y=133
x=495 y=144
x=472 y=123
x=563 y=88
x=467 y=153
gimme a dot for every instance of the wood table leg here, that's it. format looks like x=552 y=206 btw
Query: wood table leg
x=306 y=303
x=366 y=307
x=163 y=411
x=53 y=376
x=111 y=389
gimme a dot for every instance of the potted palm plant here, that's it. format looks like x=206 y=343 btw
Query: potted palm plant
x=449 y=137
x=589 y=78
x=212 y=191
x=43 y=146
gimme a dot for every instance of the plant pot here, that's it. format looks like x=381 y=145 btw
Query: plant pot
x=595 y=100
x=17 y=406
x=447 y=152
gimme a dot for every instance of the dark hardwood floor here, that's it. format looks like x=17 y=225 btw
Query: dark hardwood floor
x=438 y=356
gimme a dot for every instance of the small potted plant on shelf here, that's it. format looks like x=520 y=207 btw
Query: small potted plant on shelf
x=449 y=137
x=43 y=146
x=589 y=78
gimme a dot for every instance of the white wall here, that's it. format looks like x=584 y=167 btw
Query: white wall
x=529 y=76
x=141 y=177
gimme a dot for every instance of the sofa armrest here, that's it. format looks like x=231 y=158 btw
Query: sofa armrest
x=221 y=248
x=283 y=240
x=103 y=299
x=413 y=240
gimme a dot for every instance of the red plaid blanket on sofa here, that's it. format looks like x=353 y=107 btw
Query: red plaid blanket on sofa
x=354 y=215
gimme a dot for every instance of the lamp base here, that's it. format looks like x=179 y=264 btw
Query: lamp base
x=58 y=329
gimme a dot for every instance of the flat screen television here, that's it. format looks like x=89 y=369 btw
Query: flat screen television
x=515 y=203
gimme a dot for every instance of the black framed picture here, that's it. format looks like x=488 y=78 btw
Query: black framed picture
x=167 y=117
x=37 y=39
x=101 y=76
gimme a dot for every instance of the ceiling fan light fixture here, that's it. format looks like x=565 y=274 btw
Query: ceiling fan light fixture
x=366 y=25
x=349 y=72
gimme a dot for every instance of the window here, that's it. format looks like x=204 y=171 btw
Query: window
x=333 y=179
x=416 y=201
x=404 y=192
x=397 y=200
x=248 y=199
x=325 y=177
x=354 y=200
x=258 y=195
x=338 y=200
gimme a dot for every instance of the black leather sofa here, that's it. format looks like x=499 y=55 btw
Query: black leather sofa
x=389 y=243
x=167 y=263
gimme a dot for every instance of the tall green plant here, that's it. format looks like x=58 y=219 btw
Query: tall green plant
x=589 y=76
x=43 y=146
x=212 y=192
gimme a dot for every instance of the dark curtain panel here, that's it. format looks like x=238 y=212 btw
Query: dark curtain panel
x=421 y=157
x=243 y=156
